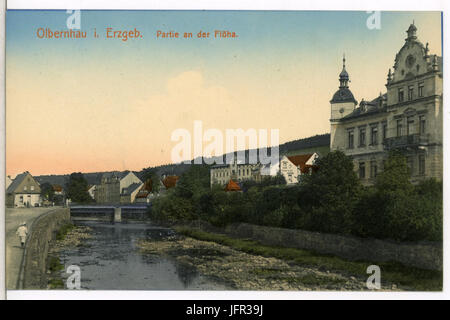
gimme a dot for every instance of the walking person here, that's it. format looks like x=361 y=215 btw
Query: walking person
x=22 y=232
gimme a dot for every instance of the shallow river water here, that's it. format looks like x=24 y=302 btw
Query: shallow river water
x=110 y=260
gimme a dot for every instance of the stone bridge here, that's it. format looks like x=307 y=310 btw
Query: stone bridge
x=110 y=213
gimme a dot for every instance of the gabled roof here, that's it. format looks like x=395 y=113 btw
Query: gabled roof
x=300 y=160
x=232 y=186
x=17 y=181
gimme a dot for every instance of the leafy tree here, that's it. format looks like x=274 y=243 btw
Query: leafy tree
x=194 y=181
x=329 y=196
x=77 y=188
x=395 y=176
x=47 y=191
x=150 y=174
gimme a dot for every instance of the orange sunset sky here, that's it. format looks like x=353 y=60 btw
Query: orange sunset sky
x=104 y=104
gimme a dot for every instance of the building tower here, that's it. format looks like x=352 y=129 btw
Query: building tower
x=343 y=102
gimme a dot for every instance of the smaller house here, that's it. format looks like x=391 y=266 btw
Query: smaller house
x=292 y=167
x=57 y=189
x=170 y=181
x=24 y=191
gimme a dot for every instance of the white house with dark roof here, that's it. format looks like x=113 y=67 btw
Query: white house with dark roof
x=24 y=191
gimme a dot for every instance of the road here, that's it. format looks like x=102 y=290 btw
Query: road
x=14 y=253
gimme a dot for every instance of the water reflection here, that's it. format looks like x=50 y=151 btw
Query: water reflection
x=110 y=260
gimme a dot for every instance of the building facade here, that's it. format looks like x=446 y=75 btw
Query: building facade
x=221 y=174
x=24 y=191
x=408 y=117
x=113 y=185
x=292 y=167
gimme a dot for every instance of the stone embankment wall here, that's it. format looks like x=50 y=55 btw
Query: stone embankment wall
x=425 y=255
x=43 y=229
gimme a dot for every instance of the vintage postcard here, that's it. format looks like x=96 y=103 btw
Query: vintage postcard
x=224 y=150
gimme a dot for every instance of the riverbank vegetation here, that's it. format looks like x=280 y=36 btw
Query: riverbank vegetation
x=393 y=275
x=331 y=200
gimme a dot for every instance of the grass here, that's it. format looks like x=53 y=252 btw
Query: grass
x=391 y=272
x=56 y=284
x=54 y=264
x=64 y=230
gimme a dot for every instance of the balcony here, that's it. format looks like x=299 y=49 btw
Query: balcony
x=409 y=141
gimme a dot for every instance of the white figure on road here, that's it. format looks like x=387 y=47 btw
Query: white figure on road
x=22 y=232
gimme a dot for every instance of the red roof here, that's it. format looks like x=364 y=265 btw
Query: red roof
x=170 y=181
x=145 y=190
x=232 y=186
x=57 y=188
x=300 y=161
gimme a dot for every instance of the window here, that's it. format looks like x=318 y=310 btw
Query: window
x=362 y=170
x=409 y=125
x=362 y=137
x=410 y=164
x=384 y=130
x=410 y=92
x=421 y=164
x=373 y=169
x=350 y=139
x=422 y=124
x=400 y=95
x=25 y=188
x=399 y=127
x=374 y=135
x=32 y=188
x=420 y=89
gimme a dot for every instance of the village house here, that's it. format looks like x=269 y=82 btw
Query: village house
x=24 y=191
x=408 y=117
x=113 y=185
x=57 y=189
x=146 y=193
x=292 y=167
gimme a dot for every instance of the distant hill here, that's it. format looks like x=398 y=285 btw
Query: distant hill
x=318 y=143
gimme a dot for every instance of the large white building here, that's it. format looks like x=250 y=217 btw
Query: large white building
x=408 y=117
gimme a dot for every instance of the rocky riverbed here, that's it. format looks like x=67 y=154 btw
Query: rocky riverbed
x=244 y=271
x=73 y=238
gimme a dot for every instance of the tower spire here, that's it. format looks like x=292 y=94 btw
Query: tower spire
x=343 y=76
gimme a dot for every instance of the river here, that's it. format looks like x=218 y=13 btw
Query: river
x=111 y=260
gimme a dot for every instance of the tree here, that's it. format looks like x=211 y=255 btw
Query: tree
x=395 y=176
x=328 y=197
x=194 y=181
x=77 y=188
x=47 y=191
x=150 y=174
